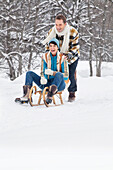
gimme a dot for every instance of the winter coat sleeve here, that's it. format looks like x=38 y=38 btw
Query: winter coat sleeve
x=43 y=67
x=64 y=69
x=46 y=46
x=73 y=52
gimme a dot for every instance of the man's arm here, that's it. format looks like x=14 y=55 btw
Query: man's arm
x=46 y=46
x=73 y=52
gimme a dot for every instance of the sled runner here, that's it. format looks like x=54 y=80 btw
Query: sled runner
x=17 y=100
x=41 y=96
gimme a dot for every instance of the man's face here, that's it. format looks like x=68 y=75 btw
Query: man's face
x=53 y=48
x=59 y=25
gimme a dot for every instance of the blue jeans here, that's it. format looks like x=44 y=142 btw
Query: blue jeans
x=58 y=80
x=73 y=83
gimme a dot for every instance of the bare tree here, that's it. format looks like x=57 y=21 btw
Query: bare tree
x=102 y=34
x=24 y=24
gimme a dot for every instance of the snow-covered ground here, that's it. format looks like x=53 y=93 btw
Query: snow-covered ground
x=74 y=136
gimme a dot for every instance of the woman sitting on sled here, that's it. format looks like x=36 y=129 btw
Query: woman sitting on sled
x=54 y=72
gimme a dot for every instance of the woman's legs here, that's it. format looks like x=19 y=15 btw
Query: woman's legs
x=57 y=84
x=32 y=77
x=59 y=81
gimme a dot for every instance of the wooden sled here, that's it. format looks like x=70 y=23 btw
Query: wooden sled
x=41 y=95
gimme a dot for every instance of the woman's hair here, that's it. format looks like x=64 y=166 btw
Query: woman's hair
x=61 y=16
x=52 y=42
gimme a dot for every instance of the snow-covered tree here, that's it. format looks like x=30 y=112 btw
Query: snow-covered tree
x=95 y=35
x=24 y=24
x=103 y=42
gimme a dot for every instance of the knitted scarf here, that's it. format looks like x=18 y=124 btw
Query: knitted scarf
x=65 y=33
x=47 y=57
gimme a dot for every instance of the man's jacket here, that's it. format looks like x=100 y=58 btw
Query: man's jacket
x=73 y=46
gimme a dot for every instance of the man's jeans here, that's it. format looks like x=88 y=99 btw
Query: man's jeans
x=73 y=83
x=58 y=80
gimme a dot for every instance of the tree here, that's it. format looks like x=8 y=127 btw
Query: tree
x=102 y=47
x=96 y=33
x=24 y=24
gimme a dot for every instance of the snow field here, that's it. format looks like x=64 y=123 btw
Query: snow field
x=76 y=135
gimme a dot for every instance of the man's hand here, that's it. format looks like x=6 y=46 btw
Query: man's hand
x=65 y=56
x=43 y=80
x=49 y=72
x=68 y=55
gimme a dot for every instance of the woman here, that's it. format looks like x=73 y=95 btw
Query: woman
x=54 y=72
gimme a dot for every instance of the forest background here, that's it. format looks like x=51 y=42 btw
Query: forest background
x=25 y=23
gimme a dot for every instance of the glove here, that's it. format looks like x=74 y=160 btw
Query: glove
x=43 y=80
x=70 y=56
x=49 y=72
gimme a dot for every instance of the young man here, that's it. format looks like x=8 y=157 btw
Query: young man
x=54 y=72
x=68 y=40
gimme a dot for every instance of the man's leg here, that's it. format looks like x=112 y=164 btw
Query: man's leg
x=73 y=82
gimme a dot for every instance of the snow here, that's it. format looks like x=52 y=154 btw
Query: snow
x=76 y=135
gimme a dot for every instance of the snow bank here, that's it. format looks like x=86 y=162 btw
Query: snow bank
x=73 y=136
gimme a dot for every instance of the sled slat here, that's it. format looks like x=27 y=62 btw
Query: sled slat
x=43 y=96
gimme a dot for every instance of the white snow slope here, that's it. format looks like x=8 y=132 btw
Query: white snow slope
x=74 y=136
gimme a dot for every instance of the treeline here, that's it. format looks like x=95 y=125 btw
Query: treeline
x=25 y=23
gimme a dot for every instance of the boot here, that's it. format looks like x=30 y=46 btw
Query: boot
x=71 y=97
x=52 y=91
x=25 y=98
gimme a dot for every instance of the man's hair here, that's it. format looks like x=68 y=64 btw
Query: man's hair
x=61 y=16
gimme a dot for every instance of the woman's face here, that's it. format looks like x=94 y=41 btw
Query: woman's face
x=53 y=48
